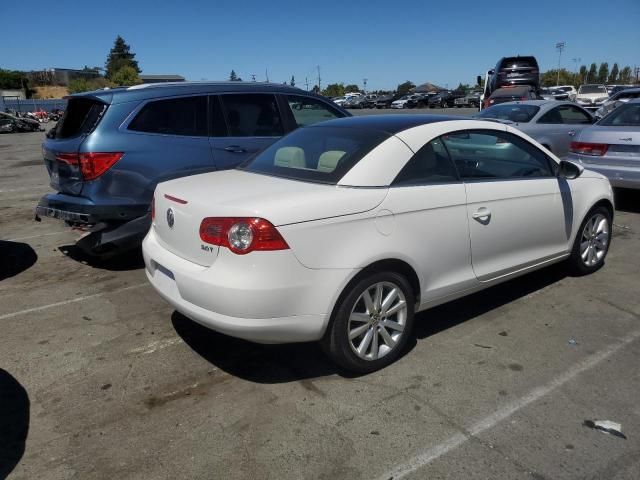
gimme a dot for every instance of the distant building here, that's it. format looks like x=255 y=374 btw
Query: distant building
x=161 y=78
x=12 y=94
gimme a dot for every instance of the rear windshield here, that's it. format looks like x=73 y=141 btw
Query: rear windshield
x=81 y=116
x=519 y=62
x=317 y=154
x=593 y=89
x=515 y=113
x=627 y=115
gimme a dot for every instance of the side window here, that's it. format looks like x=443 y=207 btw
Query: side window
x=219 y=125
x=489 y=154
x=307 y=111
x=552 y=116
x=431 y=164
x=177 y=116
x=572 y=115
x=252 y=115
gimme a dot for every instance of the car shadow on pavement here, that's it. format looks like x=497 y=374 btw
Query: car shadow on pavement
x=14 y=422
x=442 y=317
x=15 y=258
x=627 y=200
x=129 y=260
x=255 y=362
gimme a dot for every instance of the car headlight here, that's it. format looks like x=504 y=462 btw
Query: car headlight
x=602 y=99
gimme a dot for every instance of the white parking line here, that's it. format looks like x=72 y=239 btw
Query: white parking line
x=157 y=345
x=33 y=236
x=67 y=302
x=429 y=455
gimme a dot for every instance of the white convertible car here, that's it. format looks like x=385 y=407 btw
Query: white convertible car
x=341 y=231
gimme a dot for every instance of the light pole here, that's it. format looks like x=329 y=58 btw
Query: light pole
x=559 y=46
x=576 y=61
x=364 y=80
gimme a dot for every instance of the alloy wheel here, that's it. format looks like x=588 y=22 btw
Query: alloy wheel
x=377 y=320
x=595 y=240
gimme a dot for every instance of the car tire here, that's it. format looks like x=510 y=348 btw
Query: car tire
x=592 y=242
x=380 y=339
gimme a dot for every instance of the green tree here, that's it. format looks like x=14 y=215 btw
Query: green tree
x=79 y=85
x=582 y=75
x=613 y=76
x=592 y=76
x=603 y=72
x=293 y=81
x=233 y=77
x=404 y=87
x=120 y=56
x=550 y=78
x=351 y=88
x=11 y=79
x=334 y=90
x=126 y=76
x=316 y=89
x=626 y=75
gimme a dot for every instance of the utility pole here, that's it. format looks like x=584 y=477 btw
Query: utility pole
x=306 y=82
x=253 y=77
x=364 y=80
x=319 y=84
x=266 y=74
x=576 y=61
x=637 y=72
x=560 y=47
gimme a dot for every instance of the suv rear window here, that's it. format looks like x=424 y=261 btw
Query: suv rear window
x=177 y=116
x=519 y=62
x=81 y=116
x=317 y=154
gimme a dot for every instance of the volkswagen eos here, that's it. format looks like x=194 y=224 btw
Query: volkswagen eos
x=340 y=232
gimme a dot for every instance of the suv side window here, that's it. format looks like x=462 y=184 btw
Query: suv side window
x=177 y=116
x=252 y=115
x=431 y=164
x=491 y=154
x=307 y=110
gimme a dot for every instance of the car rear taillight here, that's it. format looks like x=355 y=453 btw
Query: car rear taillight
x=586 y=148
x=241 y=235
x=91 y=164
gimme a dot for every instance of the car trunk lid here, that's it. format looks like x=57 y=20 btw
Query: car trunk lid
x=235 y=193
x=60 y=149
x=623 y=145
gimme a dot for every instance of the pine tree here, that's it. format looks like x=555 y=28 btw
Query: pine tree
x=603 y=72
x=625 y=76
x=592 y=75
x=120 y=56
x=613 y=77
x=233 y=77
x=293 y=81
x=582 y=74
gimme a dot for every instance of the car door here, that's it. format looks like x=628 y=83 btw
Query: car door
x=560 y=125
x=243 y=124
x=515 y=208
x=428 y=202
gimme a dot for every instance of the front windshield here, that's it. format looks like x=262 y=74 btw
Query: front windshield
x=515 y=113
x=320 y=154
x=627 y=115
x=593 y=89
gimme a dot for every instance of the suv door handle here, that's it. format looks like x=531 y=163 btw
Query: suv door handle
x=482 y=214
x=571 y=133
x=235 y=149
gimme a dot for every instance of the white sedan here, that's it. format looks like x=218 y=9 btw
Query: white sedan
x=341 y=231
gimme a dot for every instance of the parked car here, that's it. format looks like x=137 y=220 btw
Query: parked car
x=445 y=99
x=569 y=90
x=617 y=99
x=471 y=99
x=339 y=101
x=404 y=102
x=112 y=147
x=551 y=123
x=516 y=71
x=510 y=94
x=10 y=123
x=612 y=146
x=592 y=96
x=384 y=101
x=478 y=203
x=617 y=88
x=359 y=102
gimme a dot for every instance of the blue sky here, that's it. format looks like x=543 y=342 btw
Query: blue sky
x=350 y=40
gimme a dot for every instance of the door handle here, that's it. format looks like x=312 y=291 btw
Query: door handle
x=482 y=214
x=235 y=149
x=571 y=133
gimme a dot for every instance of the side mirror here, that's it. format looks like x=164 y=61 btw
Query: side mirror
x=569 y=170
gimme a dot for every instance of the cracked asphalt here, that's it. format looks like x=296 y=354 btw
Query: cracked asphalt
x=100 y=378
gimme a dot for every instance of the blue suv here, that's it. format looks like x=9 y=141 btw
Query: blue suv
x=112 y=147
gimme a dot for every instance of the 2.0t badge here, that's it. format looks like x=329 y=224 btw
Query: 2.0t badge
x=170 y=218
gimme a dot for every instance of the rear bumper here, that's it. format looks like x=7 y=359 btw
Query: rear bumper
x=618 y=175
x=264 y=297
x=83 y=210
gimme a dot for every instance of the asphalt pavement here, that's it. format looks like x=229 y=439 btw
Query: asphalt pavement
x=100 y=378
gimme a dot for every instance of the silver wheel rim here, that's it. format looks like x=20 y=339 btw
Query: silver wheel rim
x=377 y=321
x=594 y=241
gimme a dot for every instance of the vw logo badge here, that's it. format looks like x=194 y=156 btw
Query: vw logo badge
x=170 y=218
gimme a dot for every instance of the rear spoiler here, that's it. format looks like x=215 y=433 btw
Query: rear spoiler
x=105 y=98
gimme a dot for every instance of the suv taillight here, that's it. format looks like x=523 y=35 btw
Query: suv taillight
x=586 y=148
x=92 y=164
x=241 y=235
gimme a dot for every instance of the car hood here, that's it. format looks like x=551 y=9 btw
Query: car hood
x=236 y=193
